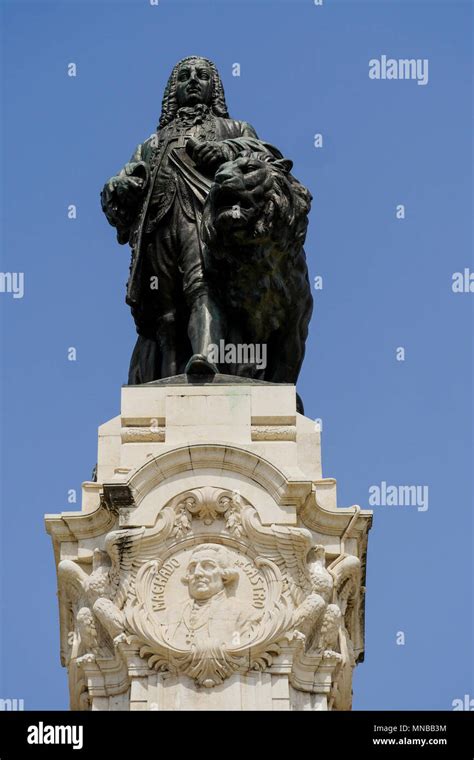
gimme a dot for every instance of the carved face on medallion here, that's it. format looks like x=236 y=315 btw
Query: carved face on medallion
x=210 y=568
x=219 y=605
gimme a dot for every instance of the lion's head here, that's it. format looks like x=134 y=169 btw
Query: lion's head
x=255 y=197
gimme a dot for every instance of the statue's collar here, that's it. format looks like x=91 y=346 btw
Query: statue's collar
x=194 y=114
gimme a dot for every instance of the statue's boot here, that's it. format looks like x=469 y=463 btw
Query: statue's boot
x=199 y=365
x=204 y=330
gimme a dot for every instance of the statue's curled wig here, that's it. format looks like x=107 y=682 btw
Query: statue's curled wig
x=169 y=105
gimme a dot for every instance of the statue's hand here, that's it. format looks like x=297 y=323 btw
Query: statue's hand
x=120 y=200
x=207 y=155
x=127 y=189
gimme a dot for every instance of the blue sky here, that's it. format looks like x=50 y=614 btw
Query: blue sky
x=386 y=284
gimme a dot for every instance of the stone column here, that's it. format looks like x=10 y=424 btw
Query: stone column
x=210 y=567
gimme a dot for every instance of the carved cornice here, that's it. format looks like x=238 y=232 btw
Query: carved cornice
x=332 y=522
x=73 y=526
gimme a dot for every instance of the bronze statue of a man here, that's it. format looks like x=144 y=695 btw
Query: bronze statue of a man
x=158 y=203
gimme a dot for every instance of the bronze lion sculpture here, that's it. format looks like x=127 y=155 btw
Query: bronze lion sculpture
x=253 y=227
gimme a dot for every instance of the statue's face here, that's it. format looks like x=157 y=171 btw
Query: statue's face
x=204 y=575
x=194 y=83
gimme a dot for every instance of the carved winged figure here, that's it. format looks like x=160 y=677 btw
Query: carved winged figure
x=96 y=599
x=335 y=594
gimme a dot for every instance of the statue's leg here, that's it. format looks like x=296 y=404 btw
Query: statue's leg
x=206 y=323
x=167 y=339
x=164 y=267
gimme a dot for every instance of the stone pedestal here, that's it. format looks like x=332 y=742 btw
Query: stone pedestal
x=210 y=567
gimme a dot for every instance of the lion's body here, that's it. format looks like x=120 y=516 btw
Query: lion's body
x=254 y=226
